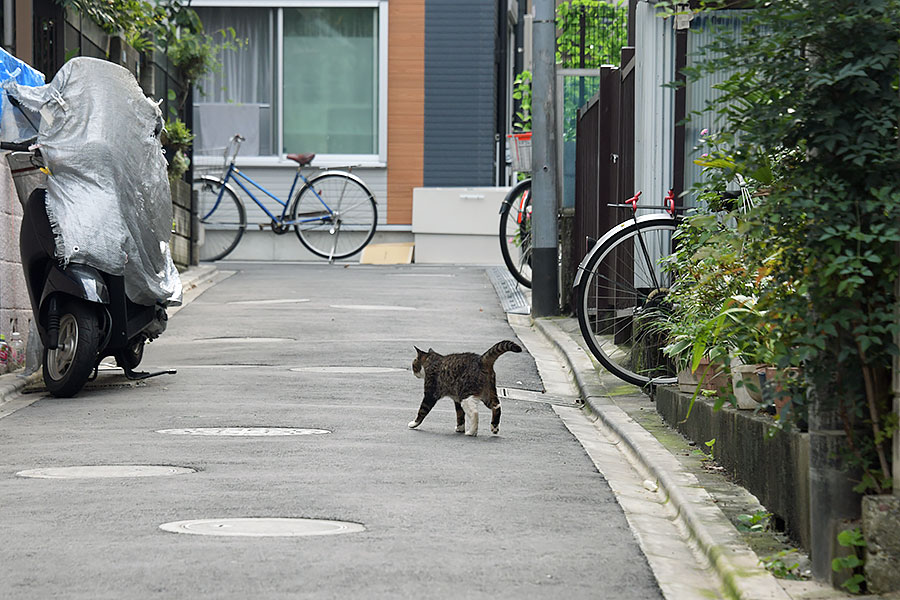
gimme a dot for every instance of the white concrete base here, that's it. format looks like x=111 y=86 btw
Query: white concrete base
x=457 y=225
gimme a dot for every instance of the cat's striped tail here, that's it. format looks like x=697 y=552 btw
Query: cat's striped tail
x=489 y=357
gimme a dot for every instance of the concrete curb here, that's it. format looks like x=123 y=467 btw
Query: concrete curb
x=13 y=383
x=735 y=563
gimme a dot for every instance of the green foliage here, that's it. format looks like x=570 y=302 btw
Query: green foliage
x=591 y=33
x=782 y=564
x=196 y=53
x=757 y=522
x=811 y=108
x=522 y=94
x=853 y=539
x=711 y=444
x=177 y=135
x=142 y=23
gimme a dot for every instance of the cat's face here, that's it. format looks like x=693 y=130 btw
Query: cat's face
x=418 y=364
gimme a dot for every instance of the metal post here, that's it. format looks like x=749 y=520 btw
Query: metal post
x=545 y=288
x=9 y=25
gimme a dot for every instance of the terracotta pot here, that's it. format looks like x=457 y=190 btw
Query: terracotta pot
x=713 y=376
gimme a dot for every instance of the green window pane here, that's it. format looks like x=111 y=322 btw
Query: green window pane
x=331 y=80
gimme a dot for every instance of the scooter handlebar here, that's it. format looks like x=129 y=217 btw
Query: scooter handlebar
x=15 y=147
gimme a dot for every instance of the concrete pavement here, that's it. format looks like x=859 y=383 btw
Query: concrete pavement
x=522 y=514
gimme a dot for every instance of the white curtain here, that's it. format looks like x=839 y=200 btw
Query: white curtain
x=229 y=100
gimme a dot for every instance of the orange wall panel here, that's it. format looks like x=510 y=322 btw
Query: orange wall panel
x=406 y=106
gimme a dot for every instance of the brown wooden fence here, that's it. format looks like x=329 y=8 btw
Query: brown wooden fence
x=604 y=163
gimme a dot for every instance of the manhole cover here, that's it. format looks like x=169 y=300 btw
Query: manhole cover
x=104 y=471
x=355 y=370
x=243 y=340
x=262 y=527
x=276 y=301
x=421 y=275
x=244 y=431
x=371 y=307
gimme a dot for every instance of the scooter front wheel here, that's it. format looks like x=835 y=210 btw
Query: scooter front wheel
x=68 y=366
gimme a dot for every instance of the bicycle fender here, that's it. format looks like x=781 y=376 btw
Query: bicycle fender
x=347 y=174
x=629 y=224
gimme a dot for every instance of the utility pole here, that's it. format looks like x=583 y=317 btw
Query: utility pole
x=544 y=260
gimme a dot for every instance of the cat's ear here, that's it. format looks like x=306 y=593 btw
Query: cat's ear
x=431 y=351
x=418 y=351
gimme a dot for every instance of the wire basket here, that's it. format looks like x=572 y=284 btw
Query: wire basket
x=520 y=151
x=26 y=168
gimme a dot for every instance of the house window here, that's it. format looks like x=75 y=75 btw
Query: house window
x=310 y=80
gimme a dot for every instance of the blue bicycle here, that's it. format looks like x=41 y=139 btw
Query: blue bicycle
x=333 y=214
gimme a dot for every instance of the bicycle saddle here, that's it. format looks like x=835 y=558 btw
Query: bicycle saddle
x=301 y=159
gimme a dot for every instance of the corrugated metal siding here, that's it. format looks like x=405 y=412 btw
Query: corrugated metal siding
x=701 y=92
x=654 y=112
x=460 y=92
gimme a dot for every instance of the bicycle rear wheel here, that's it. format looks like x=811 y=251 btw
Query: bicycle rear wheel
x=515 y=232
x=621 y=300
x=223 y=218
x=334 y=215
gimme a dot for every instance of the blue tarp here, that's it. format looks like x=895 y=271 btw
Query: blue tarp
x=13 y=126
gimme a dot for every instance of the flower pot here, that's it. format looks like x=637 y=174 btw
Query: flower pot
x=749 y=392
x=773 y=390
x=712 y=375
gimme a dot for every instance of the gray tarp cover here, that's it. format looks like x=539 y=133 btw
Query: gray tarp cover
x=108 y=193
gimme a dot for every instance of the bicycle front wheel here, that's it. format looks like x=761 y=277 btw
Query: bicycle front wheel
x=334 y=215
x=222 y=217
x=515 y=232
x=621 y=300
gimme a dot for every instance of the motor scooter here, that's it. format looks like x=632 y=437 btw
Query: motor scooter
x=90 y=303
x=83 y=315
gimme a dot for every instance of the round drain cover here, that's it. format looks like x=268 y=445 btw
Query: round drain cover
x=262 y=527
x=243 y=340
x=371 y=307
x=244 y=431
x=348 y=369
x=277 y=301
x=104 y=471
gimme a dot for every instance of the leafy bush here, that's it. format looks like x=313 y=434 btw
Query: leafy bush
x=813 y=98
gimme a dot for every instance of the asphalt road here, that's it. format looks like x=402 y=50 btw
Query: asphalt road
x=523 y=514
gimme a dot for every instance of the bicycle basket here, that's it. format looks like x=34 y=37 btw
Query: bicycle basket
x=27 y=173
x=520 y=151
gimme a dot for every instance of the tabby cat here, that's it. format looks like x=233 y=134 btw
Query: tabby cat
x=465 y=377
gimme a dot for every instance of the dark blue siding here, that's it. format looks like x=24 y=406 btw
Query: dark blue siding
x=460 y=92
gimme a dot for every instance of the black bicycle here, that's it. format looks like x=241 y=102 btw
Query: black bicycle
x=515 y=232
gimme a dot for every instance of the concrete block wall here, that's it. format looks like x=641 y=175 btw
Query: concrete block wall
x=14 y=303
x=774 y=469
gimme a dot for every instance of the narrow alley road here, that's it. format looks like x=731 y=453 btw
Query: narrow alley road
x=524 y=514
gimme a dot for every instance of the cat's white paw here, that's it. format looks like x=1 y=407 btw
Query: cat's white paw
x=495 y=430
x=413 y=424
x=460 y=428
x=472 y=433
